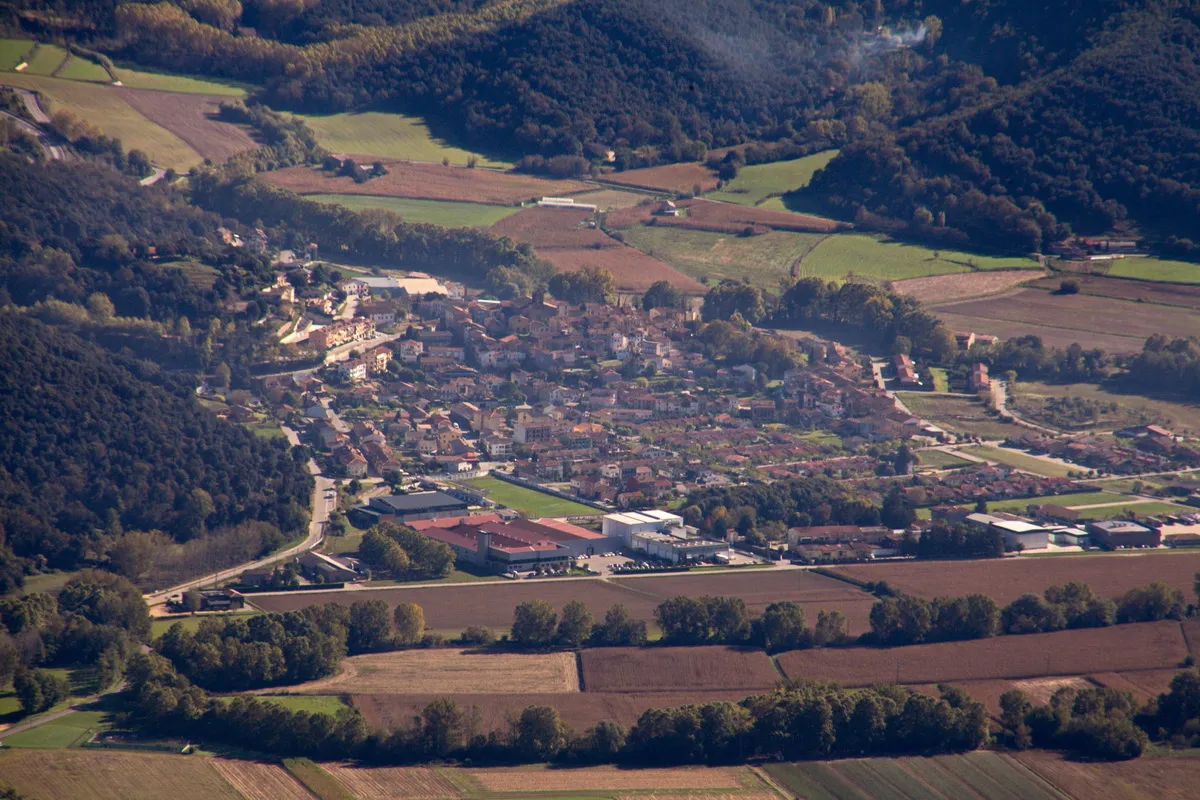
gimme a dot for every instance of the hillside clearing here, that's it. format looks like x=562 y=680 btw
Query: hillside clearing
x=1156 y=269
x=12 y=51
x=876 y=257
x=435 y=212
x=944 y=288
x=386 y=135
x=755 y=183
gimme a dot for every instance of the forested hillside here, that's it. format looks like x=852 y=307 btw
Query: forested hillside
x=1105 y=142
x=94 y=448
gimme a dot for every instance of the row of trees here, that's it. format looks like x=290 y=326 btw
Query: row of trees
x=537 y=624
x=902 y=620
x=405 y=553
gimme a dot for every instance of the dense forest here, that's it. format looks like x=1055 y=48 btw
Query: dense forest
x=95 y=447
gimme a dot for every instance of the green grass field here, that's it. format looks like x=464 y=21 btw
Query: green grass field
x=104 y=108
x=159 y=625
x=876 y=257
x=940 y=459
x=1151 y=509
x=136 y=78
x=388 y=136
x=1019 y=460
x=764 y=260
x=80 y=69
x=529 y=501
x=1156 y=269
x=45 y=60
x=12 y=51
x=66 y=731
x=755 y=183
x=436 y=212
x=1069 y=500
x=941 y=381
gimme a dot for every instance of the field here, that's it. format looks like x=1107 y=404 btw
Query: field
x=875 y=256
x=758 y=181
x=1125 y=509
x=1156 y=269
x=105 y=108
x=1081 y=318
x=451 y=608
x=763 y=260
x=1148 y=645
x=964 y=415
x=191 y=623
x=964 y=285
x=1004 y=580
x=65 y=731
x=1132 y=409
x=1018 y=460
x=450 y=671
x=435 y=212
x=530 y=502
x=982 y=775
x=940 y=459
x=258 y=781
x=540 y=779
x=677 y=669
x=1173 y=778
x=182 y=84
x=189 y=116
x=547 y=228
x=1068 y=500
x=1144 y=684
x=319 y=782
x=80 y=69
x=580 y=711
x=313 y=703
x=1176 y=294
x=385 y=783
x=427 y=182
x=385 y=135
x=606 y=199
x=681 y=178
x=12 y=51
x=112 y=775
x=45 y=59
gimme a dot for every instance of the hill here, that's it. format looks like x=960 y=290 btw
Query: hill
x=94 y=447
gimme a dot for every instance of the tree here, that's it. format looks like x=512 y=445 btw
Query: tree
x=683 y=620
x=222 y=375
x=662 y=294
x=370 y=627
x=603 y=742
x=900 y=620
x=588 y=284
x=100 y=308
x=441 y=729
x=539 y=734
x=830 y=628
x=1030 y=614
x=1014 y=707
x=784 y=628
x=409 y=619
x=534 y=623
x=38 y=690
x=1151 y=603
x=620 y=629
x=575 y=624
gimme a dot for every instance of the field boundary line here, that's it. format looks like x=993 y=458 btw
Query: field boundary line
x=1037 y=777
x=579 y=670
x=1186 y=642
x=783 y=678
x=769 y=781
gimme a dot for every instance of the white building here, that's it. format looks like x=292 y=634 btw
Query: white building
x=661 y=535
x=1016 y=531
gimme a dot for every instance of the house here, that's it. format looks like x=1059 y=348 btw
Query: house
x=377 y=360
x=327 y=568
x=977 y=379
x=354 y=370
x=906 y=374
x=355 y=287
x=342 y=331
x=411 y=351
x=667 y=209
x=498 y=447
x=539 y=429
x=351 y=461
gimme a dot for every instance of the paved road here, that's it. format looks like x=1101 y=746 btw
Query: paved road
x=321 y=507
x=55 y=152
x=154 y=177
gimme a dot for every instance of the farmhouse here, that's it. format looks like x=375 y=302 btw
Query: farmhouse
x=978 y=379
x=1116 y=534
x=487 y=542
x=905 y=372
x=407 y=507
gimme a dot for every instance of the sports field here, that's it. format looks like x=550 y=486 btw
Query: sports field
x=1127 y=509
x=1021 y=461
x=529 y=501
x=1156 y=269
x=755 y=183
x=374 y=133
x=435 y=212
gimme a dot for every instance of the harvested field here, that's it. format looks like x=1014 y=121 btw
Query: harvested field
x=427 y=181
x=1050 y=336
x=606 y=199
x=1173 y=778
x=668 y=178
x=762 y=260
x=112 y=775
x=259 y=781
x=393 y=783
x=1081 y=318
x=562 y=237
x=1145 y=684
x=1040 y=690
x=1148 y=645
x=944 y=288
x=580 y=711
x=957 y=414
x=450 y=671
x=709 y=215
x=538 y=778
x=453 y=607
x=677 y=669
x=1167 y=294
x=1004 y=580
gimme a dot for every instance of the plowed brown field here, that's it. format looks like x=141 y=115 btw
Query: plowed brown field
x=677 y=669
x=112 y=775
x=712 y=215
x=1004 y=580
x=1149 y=645
x=1168 y=294
x=429 y=182
x=393 y=783
x=190 y=117
x=450 y=672
x=258 y=781
x=580 y=711
x=451 y=608
x=668 y=178
x=1158 y=778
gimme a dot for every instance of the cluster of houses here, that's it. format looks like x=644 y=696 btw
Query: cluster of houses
x=1134 y=450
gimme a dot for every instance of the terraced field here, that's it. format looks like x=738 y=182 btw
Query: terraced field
x=756 y=182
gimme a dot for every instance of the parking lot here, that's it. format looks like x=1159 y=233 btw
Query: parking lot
x=604 y=564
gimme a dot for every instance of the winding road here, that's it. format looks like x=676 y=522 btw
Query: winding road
x=45 y=139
